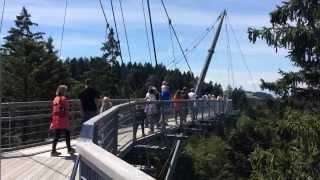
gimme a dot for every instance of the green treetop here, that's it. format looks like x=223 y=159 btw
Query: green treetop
x=31 y=70
x=295 y=26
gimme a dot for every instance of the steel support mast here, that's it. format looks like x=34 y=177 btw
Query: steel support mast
x=210 y=52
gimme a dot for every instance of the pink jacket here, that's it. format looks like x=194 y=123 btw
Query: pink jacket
x=60 y=113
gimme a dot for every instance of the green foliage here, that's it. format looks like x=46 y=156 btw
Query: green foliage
x=239 y=99
x=210 y=88
x=125 y=80
x=111 y=48
x=295 y=151
x=31 y=69
x=210 y=158
x=295 y=26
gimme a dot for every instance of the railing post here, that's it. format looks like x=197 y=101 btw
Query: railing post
x=9 y=132
x=163 y=123
x=209 y=108
x=134 y=123
x=115 y=134
x=11 y=113
x=203 y=107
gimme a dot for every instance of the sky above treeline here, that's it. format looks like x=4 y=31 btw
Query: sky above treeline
x=85 y=32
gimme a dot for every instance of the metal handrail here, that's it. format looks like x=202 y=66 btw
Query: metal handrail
x=75 y=169
x=25 y=121
x=103 y=132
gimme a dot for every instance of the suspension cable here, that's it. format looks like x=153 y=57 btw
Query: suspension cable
x=229 y=55
x=2 y=15
x=242 y=54
x=152 y=34
x=104 y=15
x=116 y=27
x=176 y=36
x=172 y=46
x=63 y=27
x=146 y=29
x=224 y=34
x=196 y=43
x=125 y=30
x=201 y=37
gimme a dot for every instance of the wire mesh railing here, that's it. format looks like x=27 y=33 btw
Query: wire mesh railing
x=26 y=124
x=124 y=124
x=137 y=119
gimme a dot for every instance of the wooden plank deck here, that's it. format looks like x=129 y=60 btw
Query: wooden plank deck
x=36 y=163
x=39 y=166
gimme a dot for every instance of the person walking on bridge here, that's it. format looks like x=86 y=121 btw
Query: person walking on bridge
x=194 y=109
x=177 y=106
x=60 y=119
x=105 y=104
x=165 y=97
x=151 y=107
x=89 y=98
x=184 y=106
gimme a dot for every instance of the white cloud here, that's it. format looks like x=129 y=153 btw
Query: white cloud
x=85 y=29
x=89 y=13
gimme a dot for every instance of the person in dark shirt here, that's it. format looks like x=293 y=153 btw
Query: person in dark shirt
x=89 y=98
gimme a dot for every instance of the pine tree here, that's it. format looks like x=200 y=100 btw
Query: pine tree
x=50 y=73
x=31 y=68
x=295 y=25
x=110 y=48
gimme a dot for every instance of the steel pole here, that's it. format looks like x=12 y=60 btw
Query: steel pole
x=210 y=52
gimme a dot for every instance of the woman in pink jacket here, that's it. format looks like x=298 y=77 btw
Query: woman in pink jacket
x=60 y=119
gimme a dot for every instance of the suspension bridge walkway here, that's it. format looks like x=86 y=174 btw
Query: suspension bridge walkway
x=101 y=143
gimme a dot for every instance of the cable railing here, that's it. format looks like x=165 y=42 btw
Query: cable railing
x=109 y=134
x=26 y=124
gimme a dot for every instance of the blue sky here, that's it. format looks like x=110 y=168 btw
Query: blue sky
x=85 y=32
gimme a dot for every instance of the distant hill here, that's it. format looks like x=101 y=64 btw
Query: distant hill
x=258 y=95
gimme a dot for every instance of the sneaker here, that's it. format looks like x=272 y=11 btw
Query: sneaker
x=71 y=151
x=55 y=153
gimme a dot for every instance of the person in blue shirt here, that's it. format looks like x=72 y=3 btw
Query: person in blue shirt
x=165 y=92
x=165 y=96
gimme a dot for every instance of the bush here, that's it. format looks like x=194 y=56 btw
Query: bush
x=294 y=153
x=210 y=158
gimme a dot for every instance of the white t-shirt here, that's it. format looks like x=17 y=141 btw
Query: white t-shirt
x=151 y=97
x=192 y=95
x=150 y=108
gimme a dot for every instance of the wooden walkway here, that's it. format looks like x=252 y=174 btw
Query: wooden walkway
x=37 y=164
